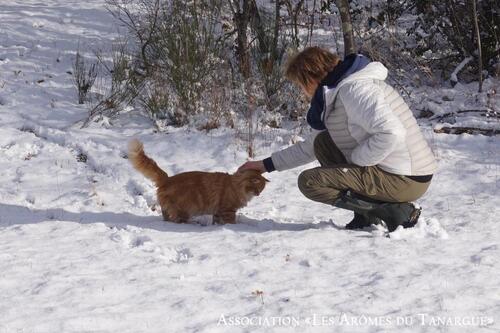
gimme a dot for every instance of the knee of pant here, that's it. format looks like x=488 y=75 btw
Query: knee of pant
x=304 y=181
x=319 y=141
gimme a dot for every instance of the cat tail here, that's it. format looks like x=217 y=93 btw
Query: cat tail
x=144 y=164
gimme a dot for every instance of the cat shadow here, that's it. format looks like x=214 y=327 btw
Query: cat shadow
x=15 y=215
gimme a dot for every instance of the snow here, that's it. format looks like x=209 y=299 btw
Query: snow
x=462 y=105
x=83 y=247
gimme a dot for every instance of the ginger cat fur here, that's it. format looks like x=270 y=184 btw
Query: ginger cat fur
x=198 y=193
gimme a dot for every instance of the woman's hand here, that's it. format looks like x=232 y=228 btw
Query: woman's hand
x=253 y=165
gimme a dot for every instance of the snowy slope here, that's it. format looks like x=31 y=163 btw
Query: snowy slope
x=83 y=248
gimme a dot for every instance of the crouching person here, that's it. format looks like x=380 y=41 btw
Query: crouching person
x=374 y=159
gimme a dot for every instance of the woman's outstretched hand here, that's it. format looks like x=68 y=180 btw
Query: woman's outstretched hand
x=253 y=165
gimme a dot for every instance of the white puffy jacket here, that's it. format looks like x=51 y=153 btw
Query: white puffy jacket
x=371 y=124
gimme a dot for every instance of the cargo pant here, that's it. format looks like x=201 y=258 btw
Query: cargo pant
x=325 y=183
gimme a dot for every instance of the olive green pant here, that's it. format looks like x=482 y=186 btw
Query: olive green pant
x=325 y=183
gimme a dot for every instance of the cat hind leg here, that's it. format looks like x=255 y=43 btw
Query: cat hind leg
x=225 y=217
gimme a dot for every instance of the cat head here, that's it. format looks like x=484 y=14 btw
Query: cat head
x=252 y=181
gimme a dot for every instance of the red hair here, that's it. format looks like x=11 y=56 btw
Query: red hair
x=310 y=65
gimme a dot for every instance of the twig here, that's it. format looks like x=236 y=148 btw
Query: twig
x=487 y=113
x=468 y=130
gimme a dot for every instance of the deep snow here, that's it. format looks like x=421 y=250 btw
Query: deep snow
x=83 y=247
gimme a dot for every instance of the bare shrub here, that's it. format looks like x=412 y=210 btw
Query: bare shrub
x=84 y=76
x=250 y=107
x=188 y=50
x=185 y=61
x=430 y=39
x=124 y=84
x=271 y=34
x=217 y=106
x=178 y=44
x=155 y=100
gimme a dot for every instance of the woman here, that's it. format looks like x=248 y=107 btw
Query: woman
x=374 y=159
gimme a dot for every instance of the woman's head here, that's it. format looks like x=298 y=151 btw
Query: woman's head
x=309 y=67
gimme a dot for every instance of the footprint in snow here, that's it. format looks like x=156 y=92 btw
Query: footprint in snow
x=139 y=241
x=129 y=240
x=134 y=189
x=183 y=255
x=134 y=241
x=305 y=263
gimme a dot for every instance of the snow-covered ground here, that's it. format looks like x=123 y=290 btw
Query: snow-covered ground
x=81 y=249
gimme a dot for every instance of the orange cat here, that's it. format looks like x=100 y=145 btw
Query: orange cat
x=197 y=193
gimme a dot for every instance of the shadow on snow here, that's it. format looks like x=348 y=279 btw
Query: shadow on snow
x=15 y=215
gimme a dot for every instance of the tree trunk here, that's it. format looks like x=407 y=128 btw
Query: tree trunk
x=241 y=17
x=258 y=28
x=478 y=37
x=268 y=45
x=345 y=17
x=293 y=13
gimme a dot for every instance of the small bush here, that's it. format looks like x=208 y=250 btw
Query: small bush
x=121 y=84
x=84 y=76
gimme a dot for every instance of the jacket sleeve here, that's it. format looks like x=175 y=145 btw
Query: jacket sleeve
x=366 y=106
x=296 y=155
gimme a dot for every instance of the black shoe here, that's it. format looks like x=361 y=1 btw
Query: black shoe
x=361 y=221
x=393 y=214
x=396 y=214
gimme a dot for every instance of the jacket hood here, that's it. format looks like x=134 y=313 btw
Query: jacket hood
x=350 y=65
x=373 y=71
